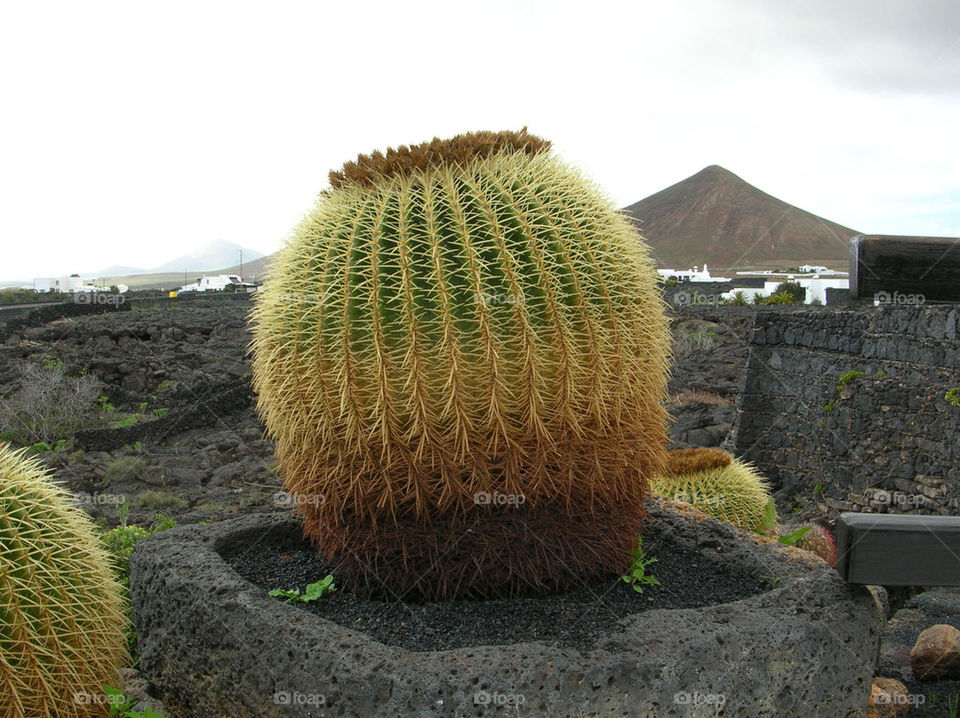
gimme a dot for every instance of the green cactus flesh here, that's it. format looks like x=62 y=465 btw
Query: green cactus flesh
x=61 y=613
x=735 y=493
x=459 y=325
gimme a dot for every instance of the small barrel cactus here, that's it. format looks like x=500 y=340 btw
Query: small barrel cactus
x=815 y=538
x=62 y=617
x=718 y=484
x=461 y=355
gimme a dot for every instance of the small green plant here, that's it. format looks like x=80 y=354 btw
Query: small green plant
x=122 y=706
x=160 y=413
x=952 y=396
x=153 y=499
x=105 y=404
x=847 y=378
x=829 y=407
x=739 y=299
x=881 y=373
x=120 y=543
x=40 y=447
x=124 y=422
x=637 y=575
x=769 y=524
x=313 y=592
x=791 y=538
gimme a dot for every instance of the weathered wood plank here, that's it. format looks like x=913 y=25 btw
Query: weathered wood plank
x=897 y=267
x=899 y=549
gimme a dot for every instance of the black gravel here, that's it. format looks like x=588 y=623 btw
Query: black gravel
x=573 y=619
x=941 y=699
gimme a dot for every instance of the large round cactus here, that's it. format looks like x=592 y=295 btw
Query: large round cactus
x=61 y=613
x=715 y=482
x=461 y=354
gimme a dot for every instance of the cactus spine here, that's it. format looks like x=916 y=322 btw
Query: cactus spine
x=61 y=613
x=718 y=484
x=460 y=319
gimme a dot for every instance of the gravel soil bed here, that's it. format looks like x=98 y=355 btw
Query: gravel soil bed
x=573 y=619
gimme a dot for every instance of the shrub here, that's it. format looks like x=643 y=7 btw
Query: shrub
x=686 y=342
x=49 y=404
x=739 y=299
x=153 y=499
x=793 y=289
x=62 y=627
x=454 y=322
x=126 y=468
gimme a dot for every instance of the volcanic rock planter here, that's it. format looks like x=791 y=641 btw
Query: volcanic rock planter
x=215 y=644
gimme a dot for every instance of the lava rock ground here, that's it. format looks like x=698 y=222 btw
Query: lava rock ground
x=166 y=354
x=576 y=618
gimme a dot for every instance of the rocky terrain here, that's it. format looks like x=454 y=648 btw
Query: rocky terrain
x=164 y=357
x=171 y=426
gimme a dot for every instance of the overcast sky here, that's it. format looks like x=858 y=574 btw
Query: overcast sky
x=133 y=132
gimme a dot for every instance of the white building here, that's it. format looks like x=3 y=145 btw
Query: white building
x=816 y=288
x=690 y=275
x=64 y=284
x=214 y=283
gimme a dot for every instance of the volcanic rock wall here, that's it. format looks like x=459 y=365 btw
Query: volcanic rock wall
x=886 y=439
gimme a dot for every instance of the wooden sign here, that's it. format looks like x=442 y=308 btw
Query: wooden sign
x=899 y=549
x=905 y=270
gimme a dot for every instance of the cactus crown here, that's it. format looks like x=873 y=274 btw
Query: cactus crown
x=687 y=461
x=61 y=611
x=457 y=150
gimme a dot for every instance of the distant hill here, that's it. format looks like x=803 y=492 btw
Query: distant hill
x=115 y=270
x=214 y=255
x=251 y=271
x=715 y=217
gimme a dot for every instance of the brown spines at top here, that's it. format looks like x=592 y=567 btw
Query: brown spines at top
x=688 y=461
x=454 y=151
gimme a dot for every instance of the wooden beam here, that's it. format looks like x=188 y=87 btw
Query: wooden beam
x=899 y=549
x=902 y=267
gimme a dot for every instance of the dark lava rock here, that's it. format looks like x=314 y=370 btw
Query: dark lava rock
x=688 y=578
x=213 y=643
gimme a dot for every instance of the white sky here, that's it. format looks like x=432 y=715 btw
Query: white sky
x=133 y=132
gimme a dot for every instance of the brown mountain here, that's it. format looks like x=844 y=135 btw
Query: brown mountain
x=717 y=218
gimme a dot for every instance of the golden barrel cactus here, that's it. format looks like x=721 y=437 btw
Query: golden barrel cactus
x=62 y=617
x=461 y=355
x=715 y=482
